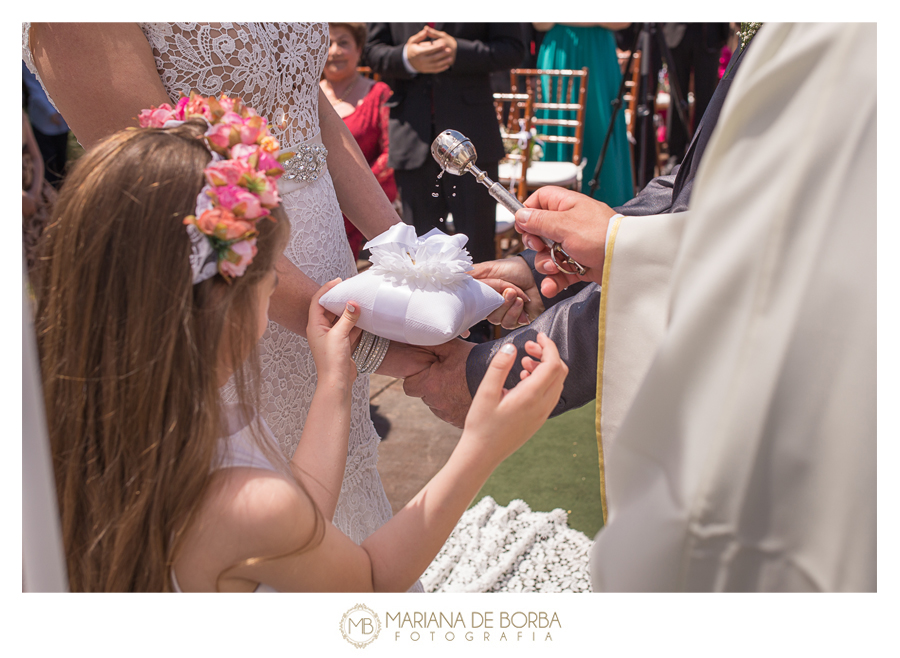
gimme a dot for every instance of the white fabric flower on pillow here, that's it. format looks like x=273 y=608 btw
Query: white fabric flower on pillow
x=418 y=290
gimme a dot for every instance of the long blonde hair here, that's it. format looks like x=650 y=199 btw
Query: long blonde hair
x=129 y=351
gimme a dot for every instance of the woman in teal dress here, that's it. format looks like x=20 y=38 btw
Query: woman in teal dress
x=592 y=45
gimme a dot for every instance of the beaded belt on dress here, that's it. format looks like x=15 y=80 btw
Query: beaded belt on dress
x=305 y=167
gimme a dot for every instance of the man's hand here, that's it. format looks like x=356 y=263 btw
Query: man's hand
x=447 y=42
x=404 y=360
x=430 y=56
x=443 y=386
x=576 y=221
x=513 y=279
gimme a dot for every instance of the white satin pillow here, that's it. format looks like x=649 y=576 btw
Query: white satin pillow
x=418 y=290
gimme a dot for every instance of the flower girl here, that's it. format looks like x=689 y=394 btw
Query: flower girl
x=152 y=292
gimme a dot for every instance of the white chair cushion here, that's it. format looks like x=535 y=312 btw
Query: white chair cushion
x=552 y=173
x=542 y=173
x=505 y=220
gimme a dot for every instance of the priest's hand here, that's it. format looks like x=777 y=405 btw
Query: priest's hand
x=512 y=278
x=576 y=221
x=443 y=385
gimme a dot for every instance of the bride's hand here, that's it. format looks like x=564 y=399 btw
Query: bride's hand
x=331 y=339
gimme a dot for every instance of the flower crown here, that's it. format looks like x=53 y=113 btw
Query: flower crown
x=241 y=181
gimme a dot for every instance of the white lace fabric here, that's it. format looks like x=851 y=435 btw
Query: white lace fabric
x=511 y=549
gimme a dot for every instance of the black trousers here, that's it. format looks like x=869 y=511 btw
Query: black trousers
x=53 y=151
x=474 y=209
x=698 y=51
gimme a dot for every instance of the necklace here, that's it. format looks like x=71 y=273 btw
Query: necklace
x=346 y=91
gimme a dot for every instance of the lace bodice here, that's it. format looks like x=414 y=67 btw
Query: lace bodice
x=273 y=67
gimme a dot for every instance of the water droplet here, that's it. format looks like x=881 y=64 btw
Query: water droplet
x=454 y=194
x=440 y=174
x=442 y=220
x=434 y=194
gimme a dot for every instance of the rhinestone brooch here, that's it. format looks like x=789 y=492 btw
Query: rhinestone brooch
x=307 y=164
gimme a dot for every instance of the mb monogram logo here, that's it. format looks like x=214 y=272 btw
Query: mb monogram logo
x=360 y=626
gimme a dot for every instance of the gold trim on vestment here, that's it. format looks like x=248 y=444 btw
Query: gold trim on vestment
x=601 y=352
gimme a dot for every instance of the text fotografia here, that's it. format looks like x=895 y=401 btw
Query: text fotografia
x=477 y=626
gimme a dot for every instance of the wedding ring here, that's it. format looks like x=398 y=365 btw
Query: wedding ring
x=557 y=249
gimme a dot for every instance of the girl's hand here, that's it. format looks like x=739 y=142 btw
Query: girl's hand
x=500 y=421
x=331 y=340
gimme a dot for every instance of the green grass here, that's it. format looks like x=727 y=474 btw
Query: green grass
x=558 y=467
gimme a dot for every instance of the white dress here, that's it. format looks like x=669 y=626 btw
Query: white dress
x=275 y=68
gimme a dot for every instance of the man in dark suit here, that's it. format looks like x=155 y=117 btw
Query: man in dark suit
x=440 y=75
x=571 y=317
x=695 y=47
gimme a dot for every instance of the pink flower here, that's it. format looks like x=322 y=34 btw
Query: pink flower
x=156 y=117
x=180 y=107
x=244 y=152
x=227 y=103
x=239 y=201
x=219 y=135
x=268 y=196
x=258 y=158
x=249 y=133
x=232 y=119
x=239 y=256
x=222 y=223
x=197 y=106
x=209 y=219
x=269 y=144
x=226 y=172
x=268 y=163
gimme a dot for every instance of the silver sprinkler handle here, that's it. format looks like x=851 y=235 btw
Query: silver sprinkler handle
x=505 y=199
x=512 y=204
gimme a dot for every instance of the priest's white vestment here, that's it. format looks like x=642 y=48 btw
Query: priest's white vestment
x=737 y=371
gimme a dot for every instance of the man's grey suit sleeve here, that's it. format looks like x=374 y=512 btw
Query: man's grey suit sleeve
x=572 y=325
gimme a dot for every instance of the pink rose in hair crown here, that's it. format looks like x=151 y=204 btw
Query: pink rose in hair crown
x=268 y=195
x=251 y=129
x=156 y=117
x=240 y=201
x=220 y=136
x=240 y=255
x=227 y=172
x=258 y=158
x=223 y=225
x=197 y=106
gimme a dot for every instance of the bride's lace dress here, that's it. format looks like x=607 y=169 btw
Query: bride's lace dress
x=275 y=68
